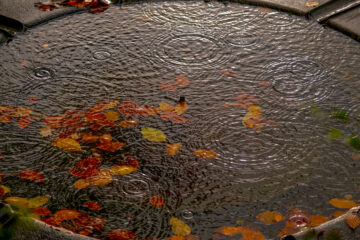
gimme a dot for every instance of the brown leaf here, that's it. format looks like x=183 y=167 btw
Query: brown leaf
x=167 y=86
x=31 y=175
x=338 y=214
x=352 y=220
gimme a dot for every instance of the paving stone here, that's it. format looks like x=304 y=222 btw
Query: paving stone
x=347 y=22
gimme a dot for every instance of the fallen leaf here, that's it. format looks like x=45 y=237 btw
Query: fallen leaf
x=173 y=149
x=31 y=175
x=42 y=211
x=288 y=230
x=182 y=81
x=317 y=220
x=122 y=170
x=167 y=86
x=119 y=234
x=32 y=99
x=352 y=220
x=66 y=215
x=264 y=10
x=18 y=202
x=85 y=232
x=22 y=112
x=244 y=100
x=127 y=108
x=343 y=203
x=173 y=117
x=111 y=146
x=102 y=179
x=230 y=230
x=157 y=201
x=147 y=111
x=86 y=168
x=270 y=217
x=23 y=63
x=205 y=153
x=249 y=234
x=4 y=190
x=45 y=131
x=89 y=137
x=129 y=123
x=66 y=144
x=24 y=122
x=181 y=108
x=312 y=4
x=264 y=83
x=93 y=206
x=38 y=201
x=105 y=138
x=179 y=227
x=165 y=107
x=112 y=116
x=228 y=73
x=348 y=196
x=176 y=237
x=5 y=119
x=81 y=183
x=53 y=121
x=354 y=141
x=50 y=221
x=338 y=214
x=355 y=156
x=153 y=135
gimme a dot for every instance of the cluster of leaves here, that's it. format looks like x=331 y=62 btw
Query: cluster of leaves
x=94 y=6
x=22 y=114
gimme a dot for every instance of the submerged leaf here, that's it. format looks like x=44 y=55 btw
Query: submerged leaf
x=38 y=201
x=270 y=217
x=341 y=115
x=334 y=134
x=317 y=220
x=228 y=73
x=128 y=108
x=24 y=122
x=167 y=86
x=354 y=141
x=153 y=135
x=68 y=144
x=343 y=203
x=31 y=175
x=205 y=153
x=249 y=234
x=230 y=230
x=173 y=149
x=182 y=81
x=179 y=227
x=173 y=117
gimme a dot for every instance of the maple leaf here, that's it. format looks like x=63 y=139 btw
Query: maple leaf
x=182 y=81
x=31 y=175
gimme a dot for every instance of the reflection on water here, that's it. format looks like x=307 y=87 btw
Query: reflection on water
x=240 y=61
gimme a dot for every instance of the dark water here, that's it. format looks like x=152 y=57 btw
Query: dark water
x=123 y=54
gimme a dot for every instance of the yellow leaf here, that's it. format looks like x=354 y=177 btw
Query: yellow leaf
x=173 y=149
x=165 y=107
x=102 y=179
x=34 y=215
x=17 y=202
x=179 y=227
x=45 y=131
x=81 y=183
x=153 y=135
x=270 y=217
x=122 y=170
x=343 y=203
x=38 y=201
x=352 y=220
x=67 y=144
x=112 y=116
x=181 y=108
x=204 y=153
x=5 y=189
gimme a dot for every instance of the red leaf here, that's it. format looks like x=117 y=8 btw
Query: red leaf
x=95 y=116
x=66 y=214
x=43 y=211
x=46 y=7
x=32 y=99
x=167 y=86
x=130 y=161
x=89 y=137
x=50 y=221
x=157 y=201
x=31 y=175
x=173 y=117
x=92 y=205
x=182 y=80
x=111 y=146
x=82 y=221
x=121 y=235
x=86 y=168
x=53 y=121
x=128 y=108
x=2 y=191
x=105 y=138
x=24 y=122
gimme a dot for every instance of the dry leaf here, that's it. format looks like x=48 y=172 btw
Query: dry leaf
x=81 y=183
x=66 y=214
x=338 y=214
x=228 y=73
x=127 y=108
x=205 y=153
x=153 y=135
x=119 y=234
x=31 y=175
x=173 y=117
x=4 y=190
x=317 y=220
x=288 y=230
x=24 y=122
x=343 y=203
x=179 y=227
x=89 y=137
x=45 y=131
x=17 y=202
x=182 y=81
x=111 y=146
x=93 y=206
x=42 y=211
x=270 y=217
x=352 y=220
x=68 y=144
x=173 y=149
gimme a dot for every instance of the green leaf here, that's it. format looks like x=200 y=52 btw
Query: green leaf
x=38 y=201
x=354 y=141
x=334 y=134
x=153 y=135
x=341 y=115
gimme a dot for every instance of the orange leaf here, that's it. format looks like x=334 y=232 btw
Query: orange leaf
x=182 y=80
x=146 y=111
x=249 y=234
x=176 y=237
x=128 y=123
x=53 y=121
x=157 y=201
x=338 y=214
x=206 y=154
x=270 y=217
x=173 y=117
x=22 y=111
x=228 y=73
x=24 y=122
x=111 y=146
x=89 y=137
x=31 y=175
x=317 y=220
x=43 y=211
x=5 y=119
x=231 y=231
x=181 y=108
x=92 y=205
x=167 y=86
x=119 y=234
x=81 y=183
x=112 y=116
x=102 y=179
x=67 y=144
x=45 y=131
x=264 y=83
x=122 y=170
x=352 y=220
x=173 y=149
x=105 y=138
x=66 y=214
x=165 y=107
x=343 y=203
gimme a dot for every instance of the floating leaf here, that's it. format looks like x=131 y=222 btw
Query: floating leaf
x=128 y=123
x=270 y=217
x=122 y=170
x=334 y=134
x=312 y=4
x=66 y=214
x=165 y=107
x=45 y=131
x=176 y=237
x=228 y=73
x=153 y=135
x=4 y=190
x=53 y=121
x=354 y=142
x=182 y=81
x=147 y=111
x=18 y=202
x=352 y=220
x=81 y=183
x=181 y=108
x=288 y=230
x=111 y=146
x=5 y=119
x=343 y=203
x=244 y=100
x=42 y=211
x=157 y=201
x=179 y=227
x=249 y=234
x=105 y=138
x=173 y=117
x=68 y=144
x=24 y=122
x=167 y=86
x=31 y=175
x=93 y=206
x=112 y=116
x=173 y=149
x=338 y=214
x=230 y=230
x=341 y=115
x=86 y=168
x=38 y=201
x=317 y=220
x=119 y=234
x=205 y=153
x=22 y=112
x=89 y=137
x=128 y=108
x=102 y=179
